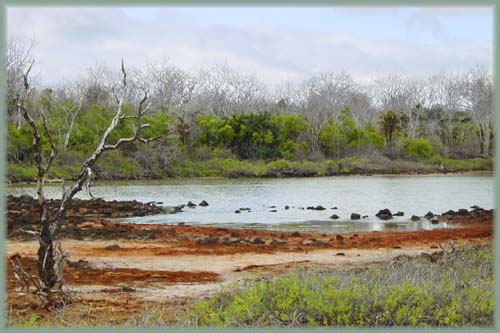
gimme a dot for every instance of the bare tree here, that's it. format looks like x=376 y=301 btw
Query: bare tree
x=478 y=97
x=51 y=257
x=18 y=57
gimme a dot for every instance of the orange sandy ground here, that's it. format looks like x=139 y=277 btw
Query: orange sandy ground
x=174 y=269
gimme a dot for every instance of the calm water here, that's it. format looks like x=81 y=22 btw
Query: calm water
x=414 y=195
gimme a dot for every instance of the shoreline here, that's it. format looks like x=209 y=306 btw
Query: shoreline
x=49 y=181
x=130 y=267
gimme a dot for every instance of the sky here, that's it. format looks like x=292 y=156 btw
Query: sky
x=275 y=43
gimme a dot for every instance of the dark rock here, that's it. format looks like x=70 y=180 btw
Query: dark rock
x=450 y=212
x=258 y=240
x=335 y=207
x=310 y=207
x=339 y=237
x=384 y=214
x=474 y=207
x=319 y=207
x=207 y=240
x=78 y=264
x=340 y=254
x=191 y=204
x=273 y=211
x=113 y=247
x=127 y=289
x=245 y=208
x=287 y=207
x=181 y=223
x=271 y=207
x=415 y=218
x=203 y=203
x=226 y=241
x=365 y=216
x=429 y=215
x=434 y=220
x=237 y=211
x=399 y=214
x=463 y=211
x=235 y=234
x=334 y=217
x=355 y=216
x=295 y=234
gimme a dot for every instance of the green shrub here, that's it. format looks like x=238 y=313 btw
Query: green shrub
x=419 y=148
x=455 y=290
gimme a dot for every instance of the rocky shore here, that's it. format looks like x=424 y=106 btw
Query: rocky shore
x=130 y=266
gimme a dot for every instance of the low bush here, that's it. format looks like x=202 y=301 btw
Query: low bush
x=455 y=289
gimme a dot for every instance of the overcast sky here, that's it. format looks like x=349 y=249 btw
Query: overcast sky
x=277 y=44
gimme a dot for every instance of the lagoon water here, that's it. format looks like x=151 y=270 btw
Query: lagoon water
x=413 y=195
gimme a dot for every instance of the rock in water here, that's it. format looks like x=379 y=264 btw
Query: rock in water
x=399 y=214
x=415 y=218
x=384 y=214
x=355 y=216
x=191 y=204
x=203 y=203
x=334 y=217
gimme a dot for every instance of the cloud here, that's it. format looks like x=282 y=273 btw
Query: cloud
x=72 y=39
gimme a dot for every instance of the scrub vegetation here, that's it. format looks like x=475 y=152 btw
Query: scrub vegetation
x=224 y=122
x=444 y=289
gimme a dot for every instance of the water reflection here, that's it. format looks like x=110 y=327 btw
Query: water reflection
x=366 y=195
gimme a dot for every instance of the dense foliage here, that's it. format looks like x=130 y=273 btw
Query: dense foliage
x=223 y=119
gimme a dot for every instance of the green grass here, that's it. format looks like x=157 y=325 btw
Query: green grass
x=457 y=290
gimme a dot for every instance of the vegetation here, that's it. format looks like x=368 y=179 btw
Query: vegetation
x=454 y=289
x=221 y=122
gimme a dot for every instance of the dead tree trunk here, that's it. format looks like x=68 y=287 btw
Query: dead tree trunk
x=51 y=258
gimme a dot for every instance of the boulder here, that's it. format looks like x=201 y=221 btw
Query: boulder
x=258 y=241
x=399 y=214
x=434 y=220
x=295 y=234
x=339 y=237
x=415 y=218
x=463 y=211
x=207 y=240
x=355 y=216
x=429 y=215
x=287 y=207
x=273 y=211
x=335 y=207
x=319 y=207
x=237 y=211
x=334 y=217
x=191 y=204
x=384 y=214
x=203 y=203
